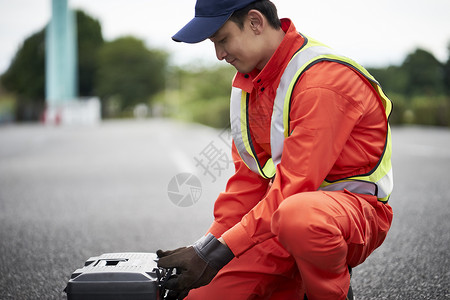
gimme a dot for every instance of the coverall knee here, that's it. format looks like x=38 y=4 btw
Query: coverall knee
x=326 y=232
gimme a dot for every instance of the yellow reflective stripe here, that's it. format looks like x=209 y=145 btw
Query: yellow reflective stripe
x=286 y=110
x=387 y=103
x=268 y=171
x=386 y=164
x=385 y=199
x=312 y=42
x=244 y=129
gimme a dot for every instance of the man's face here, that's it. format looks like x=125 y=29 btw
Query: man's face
x=237 y=47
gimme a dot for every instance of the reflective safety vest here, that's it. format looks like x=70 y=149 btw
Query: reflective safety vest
x=378 y=182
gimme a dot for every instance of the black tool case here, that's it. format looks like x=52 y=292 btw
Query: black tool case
x=116 y=276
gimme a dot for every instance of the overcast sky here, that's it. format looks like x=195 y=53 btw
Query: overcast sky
x=375 y=33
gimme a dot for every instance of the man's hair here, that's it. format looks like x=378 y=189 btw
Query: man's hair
x=267 y=8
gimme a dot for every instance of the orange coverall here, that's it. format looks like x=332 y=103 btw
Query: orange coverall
x=289 y=238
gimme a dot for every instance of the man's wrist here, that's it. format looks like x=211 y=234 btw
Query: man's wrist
x=213 y=251
x=222 y=241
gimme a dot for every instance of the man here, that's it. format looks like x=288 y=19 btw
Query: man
x=311 y=148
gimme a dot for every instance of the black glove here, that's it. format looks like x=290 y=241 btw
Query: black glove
x=196 y=265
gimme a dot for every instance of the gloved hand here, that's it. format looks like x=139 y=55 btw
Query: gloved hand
x=196 y=265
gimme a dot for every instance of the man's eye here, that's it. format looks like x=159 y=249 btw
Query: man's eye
x=223 y=41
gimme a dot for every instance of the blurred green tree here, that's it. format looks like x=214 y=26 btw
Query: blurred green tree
x=417 y=88
x=26 y=74
x=393 y=79
x=26 y=77
x=200 y=94
x=419 y=74
x=425 y=74
x=90 y=40
x=129 y=74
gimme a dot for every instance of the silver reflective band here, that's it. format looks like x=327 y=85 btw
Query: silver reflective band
x=280 y=107
x=239 y=123
x=385 y=185
x=359 y=187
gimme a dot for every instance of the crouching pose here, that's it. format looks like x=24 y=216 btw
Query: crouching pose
x=312 y=153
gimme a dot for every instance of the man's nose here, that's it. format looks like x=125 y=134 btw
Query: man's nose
x=220 y=52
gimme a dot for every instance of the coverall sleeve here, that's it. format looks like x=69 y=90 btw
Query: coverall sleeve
x=243 y=191
x=321 y=121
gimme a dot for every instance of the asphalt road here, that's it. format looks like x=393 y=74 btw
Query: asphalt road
x=69 y=193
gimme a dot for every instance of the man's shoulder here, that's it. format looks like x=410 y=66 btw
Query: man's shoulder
x=334 y=76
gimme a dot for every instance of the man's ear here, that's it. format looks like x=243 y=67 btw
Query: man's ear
x=256 y=21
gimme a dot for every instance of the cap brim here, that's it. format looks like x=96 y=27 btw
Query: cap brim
x=200 y=28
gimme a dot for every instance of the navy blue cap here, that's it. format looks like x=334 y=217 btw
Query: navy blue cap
x=210 y=15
